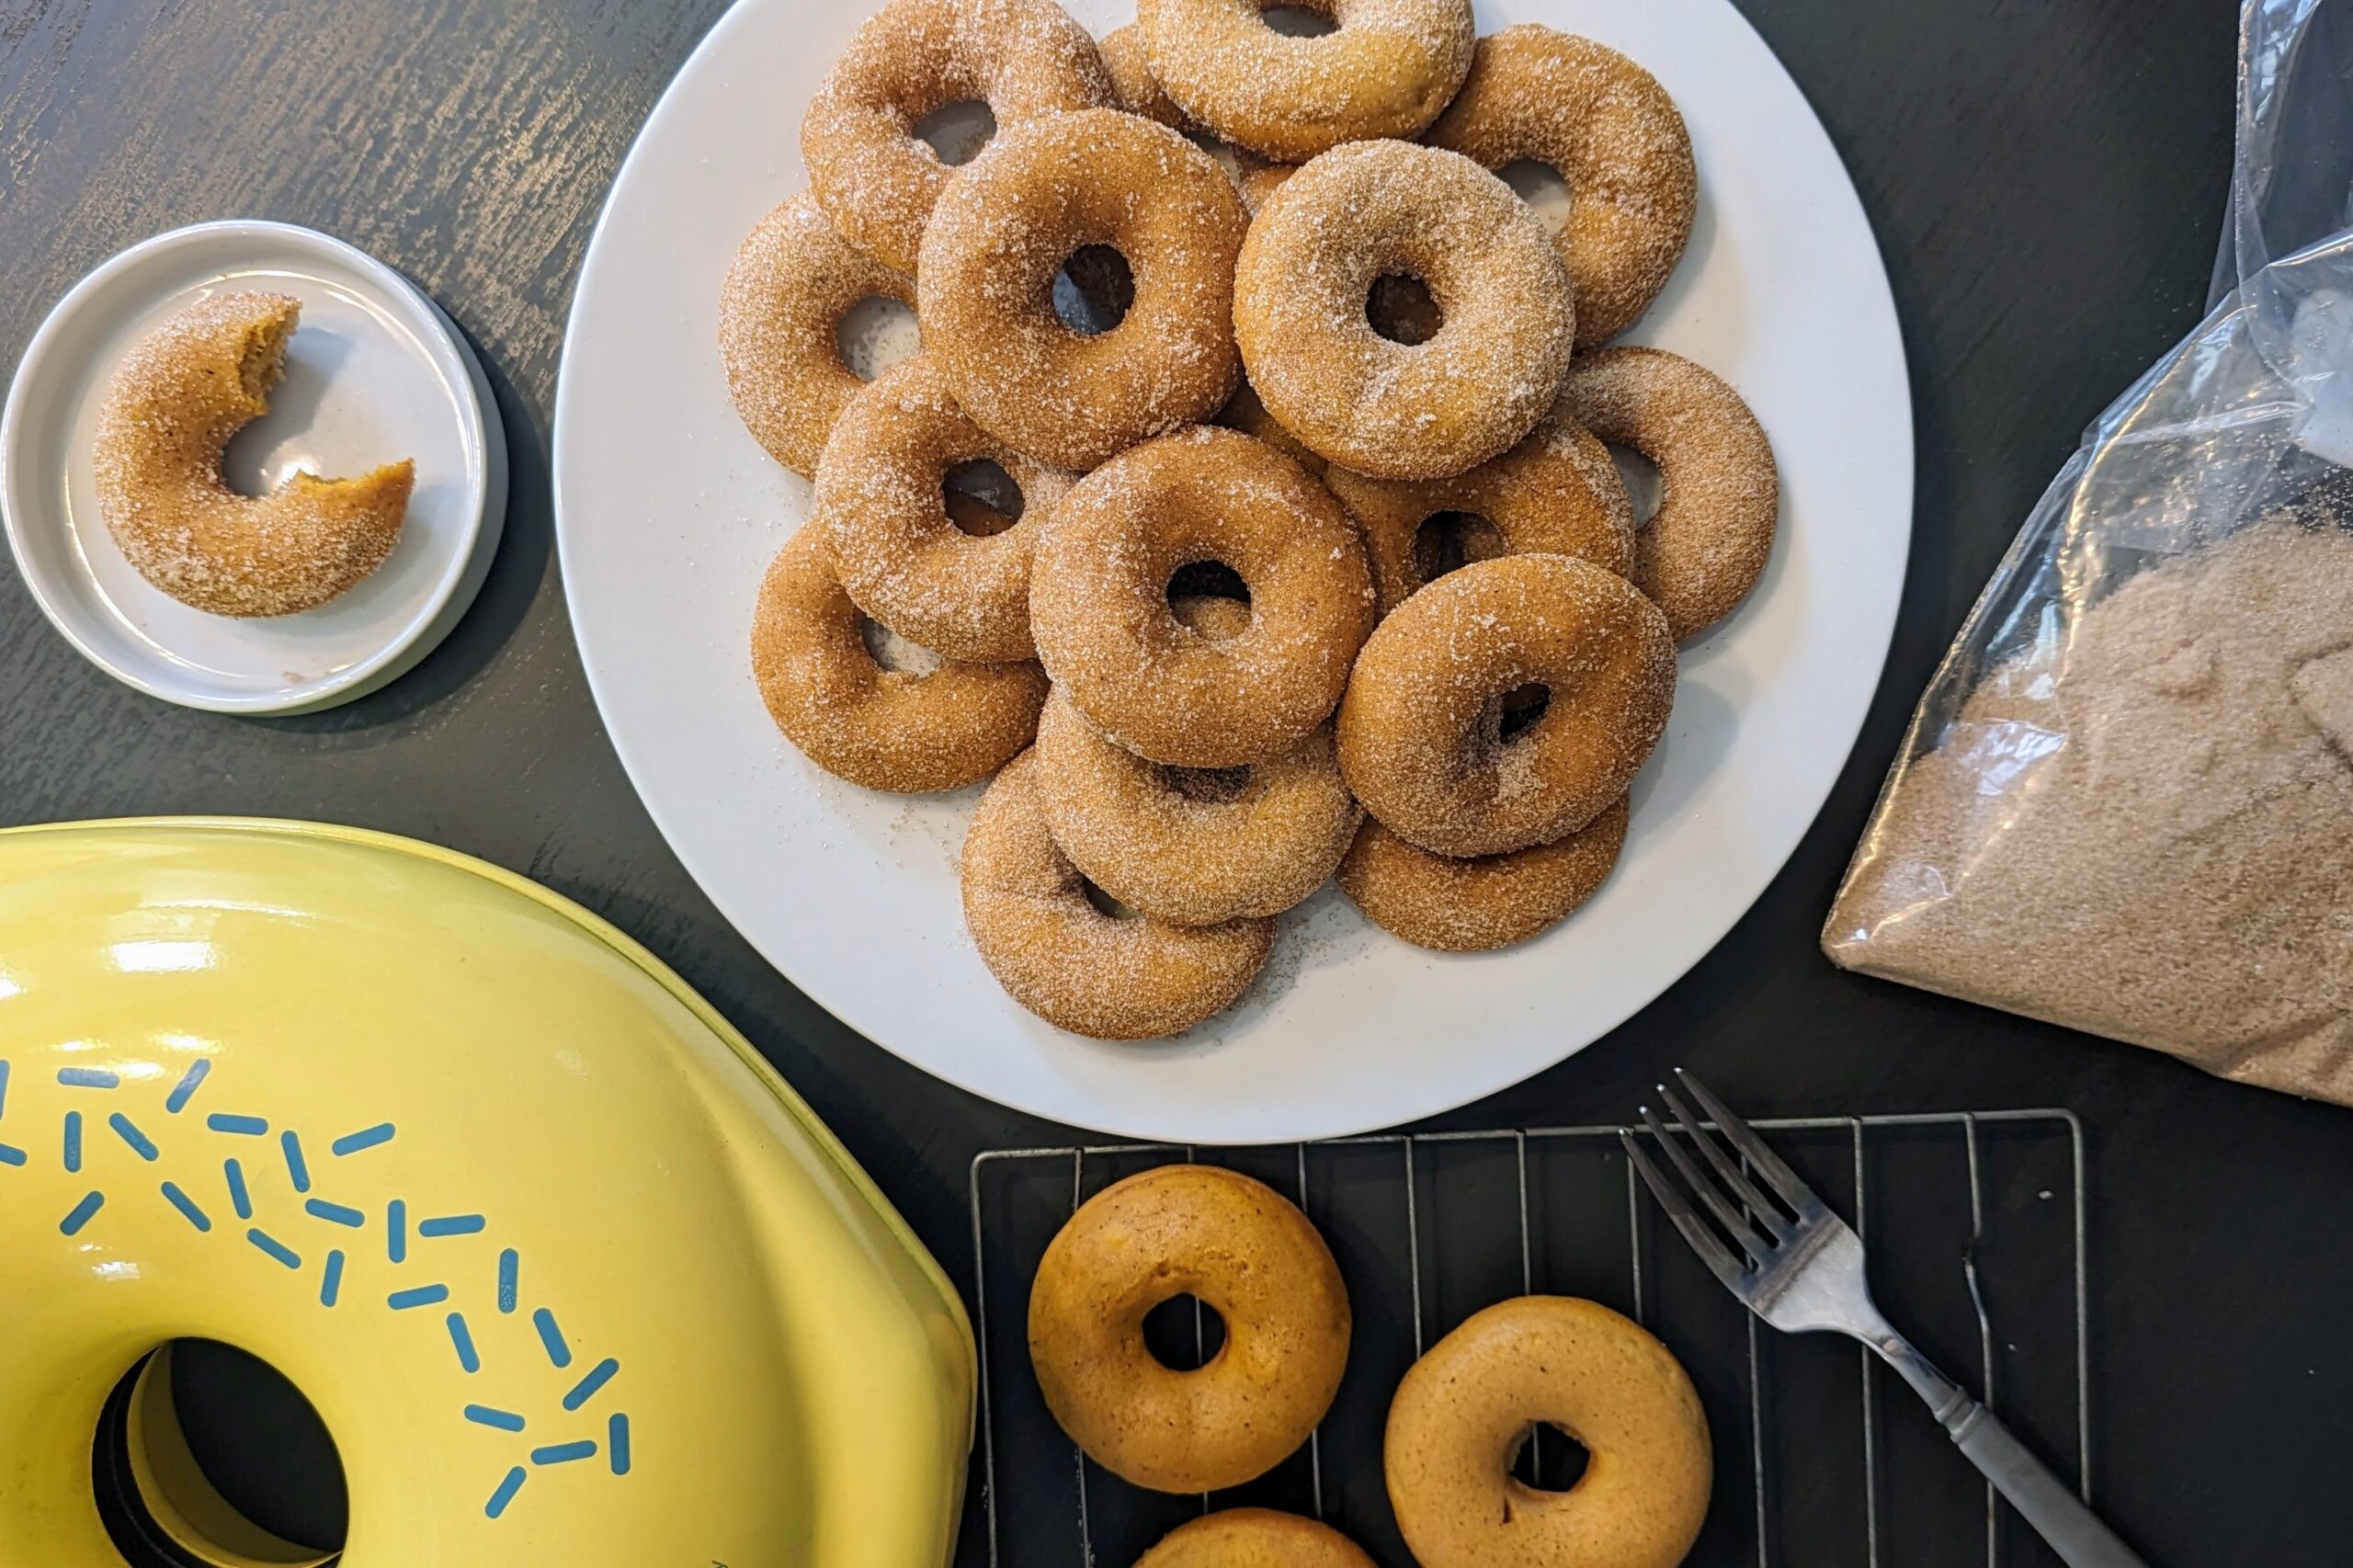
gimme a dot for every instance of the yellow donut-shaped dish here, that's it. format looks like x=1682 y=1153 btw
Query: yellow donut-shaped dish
x=569 y=1274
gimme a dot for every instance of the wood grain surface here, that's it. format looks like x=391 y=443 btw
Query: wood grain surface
x=2046 y=179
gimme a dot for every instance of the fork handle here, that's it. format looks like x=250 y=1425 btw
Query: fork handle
x=2075 y=1532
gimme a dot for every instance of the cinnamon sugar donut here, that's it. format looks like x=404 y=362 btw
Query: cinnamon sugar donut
x=876 y=180
x=1394 y=410
x=1099 y=599
x=900 y=552
x=786 y=293
x=1720 y=494
x=1386 y=70
x=1069 y=963
x=1263 y=181
x=1196 y=848
x=985 y=291
x=1469 y=906
x=1422 y=738
x=884 y=729
x=169 y=410
x=1254 y=1538
x=1615 y=139
x=1139 y=91
x=1244 y=412
x=1556 y=492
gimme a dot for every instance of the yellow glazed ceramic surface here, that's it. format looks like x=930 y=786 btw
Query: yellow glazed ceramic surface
x=571 y=1276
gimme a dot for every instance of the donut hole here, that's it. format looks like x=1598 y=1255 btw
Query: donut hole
x=1211 y=786
x=1644 y=487
x=895 y=652
x=1448 y=540
x=1104 y=905
x=981 y=498
x=1298 y=21
x=1183 y=1334
x=956 y=132
x=1205 y=580
x=1514 y=713
x=1400 y=307
x=1548 y=1459
x=211 y=1449
x=1094 y=291
x=874 y=335
x=1542 y=188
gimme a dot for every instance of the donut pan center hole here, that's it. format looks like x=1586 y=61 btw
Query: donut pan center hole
x=1183 y=1334
x=874 y=335
x=1540 y=185
x=957 y=132
x=1094 y=291
x=1447 y=540
x=1644 y=488
x=1549 y=1460
x=1517 y=710
x=981 y=497
x=1401 y=308
x=894 y=653
x=1299 y=21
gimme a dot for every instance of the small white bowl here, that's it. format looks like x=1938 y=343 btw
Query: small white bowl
x=374 y=373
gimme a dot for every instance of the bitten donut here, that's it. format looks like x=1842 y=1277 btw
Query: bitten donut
x=884 y=729
x=1557 y=492
x=1368 y=210
x=1615 y=139
x=1463 y=1410
x=1189 y=846
x=787 y=291
x=1470 y=907
x=1720 y=494
x=1099 y=599
x=1242 y=1250
x=876 y=180
x=985 y=291
x=900 y=553
x=1254 y=1538
x=1069 y=963
x=1385 y=70
x=1422 y=737
x=169 y=410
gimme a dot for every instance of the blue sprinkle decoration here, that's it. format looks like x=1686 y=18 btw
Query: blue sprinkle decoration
x=334 y=1213
x=332 y=1286
x=563 y=1453
x=275 y=1248
x=396 y=1231
x=366 y=1138
x=80 y=1215
x=617 y=1434
x=585 y=1389
x=73 y=1142
x=501 y=1420
x=239 y=1198
x=243 y=1125
x=422 y=1296
x=178 y=1099
x=552 y=1337
x=186 y=1205
x=89 y=1077
x=140 y=1143
x=510 y=1264
x=506 y=1493
x=462 y=1340
x=450 y=1225
x=12 y=1155
x=296 y=1167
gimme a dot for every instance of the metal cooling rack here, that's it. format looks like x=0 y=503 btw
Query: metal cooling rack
x=1976 y=1224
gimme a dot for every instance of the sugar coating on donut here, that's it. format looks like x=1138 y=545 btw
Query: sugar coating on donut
x=1474 y=905
x=1394 y=409
x=787 y=290
x=169 y=409
x=875 y=177
x=1021 y=210
x=1254 y=1538
x=885 y=729
x=1066 y=960
x=1720 y=492
x=1617 y=139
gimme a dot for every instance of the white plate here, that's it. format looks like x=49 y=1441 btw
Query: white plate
x=374 y=373
x=666 y=512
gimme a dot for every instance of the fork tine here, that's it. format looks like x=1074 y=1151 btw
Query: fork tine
x=1713 y=1252
x=1735 y=1227
x=1760 y=1208
x=1753 y=1148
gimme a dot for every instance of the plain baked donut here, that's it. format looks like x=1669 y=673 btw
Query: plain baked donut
x=1557 y=492
x=904 y=557
x=876 y=180
x=1720 y=494
x=1463 y=1410
x=1385 y=70
x=1099 y=599
x=985 y=292
x=1371 y=210
x=169 y=410
x=884 y=729
x=1241 y=1249
x=1422 y=734
x=1617 y=139
x=1069 y=963
x=1470 y=906
x=1254 y=1538
x=1190 y=846
x=790 y=286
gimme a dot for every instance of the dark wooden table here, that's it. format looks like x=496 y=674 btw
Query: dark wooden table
x=2046 y=179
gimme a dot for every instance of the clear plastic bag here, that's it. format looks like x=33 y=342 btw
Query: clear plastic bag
x=2125 y=804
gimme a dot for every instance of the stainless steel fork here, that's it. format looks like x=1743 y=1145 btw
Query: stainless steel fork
x=1799 y=1267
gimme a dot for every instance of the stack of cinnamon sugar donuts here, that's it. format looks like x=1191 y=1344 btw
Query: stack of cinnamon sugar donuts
x=1320 y=563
